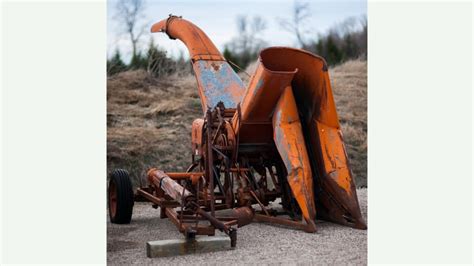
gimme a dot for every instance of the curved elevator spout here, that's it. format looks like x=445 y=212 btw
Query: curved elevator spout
x=197 y=42
x=217 y=81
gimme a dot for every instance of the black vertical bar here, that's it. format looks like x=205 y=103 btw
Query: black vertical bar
x=210 y=160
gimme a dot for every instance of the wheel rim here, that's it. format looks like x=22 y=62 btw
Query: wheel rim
x=112 y=199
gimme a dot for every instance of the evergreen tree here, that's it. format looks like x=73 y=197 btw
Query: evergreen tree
x=158 y=63
x=231 y=57
x=139 y=61
x=334 y=54
x=115 y=64
x=319 y=47
x=350 y=47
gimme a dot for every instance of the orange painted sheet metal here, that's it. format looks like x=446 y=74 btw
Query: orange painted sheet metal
x=217 y=82
x=311 y=85
x=335 y=193
x=289 y=140
x=264 y=90
x=258 y=104
x=337 y=197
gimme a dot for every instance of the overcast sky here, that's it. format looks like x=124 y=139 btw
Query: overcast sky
x=218 y=20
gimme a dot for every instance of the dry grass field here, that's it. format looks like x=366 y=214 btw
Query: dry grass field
x=349 y=84
x=149 y=120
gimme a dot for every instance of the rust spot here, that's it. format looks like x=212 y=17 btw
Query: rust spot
x=216 y=67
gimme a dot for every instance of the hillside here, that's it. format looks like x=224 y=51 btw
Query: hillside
x=349 y=84
x=149 y=120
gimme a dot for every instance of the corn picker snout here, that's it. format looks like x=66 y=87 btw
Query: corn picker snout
x=277 y=140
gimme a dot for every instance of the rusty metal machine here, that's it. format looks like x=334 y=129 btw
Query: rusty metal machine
x=278 y=140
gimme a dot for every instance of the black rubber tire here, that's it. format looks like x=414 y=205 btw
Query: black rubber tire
x=124 y=199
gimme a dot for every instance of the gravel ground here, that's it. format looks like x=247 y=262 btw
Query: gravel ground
x=256 y=243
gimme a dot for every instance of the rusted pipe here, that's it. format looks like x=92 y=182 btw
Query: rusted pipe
x=244 y=215
x=188 y=175
x=216 y=223
x=183 y=175
x=193 y=176
x=162 y=181
x=200 y=47
x=150 y=197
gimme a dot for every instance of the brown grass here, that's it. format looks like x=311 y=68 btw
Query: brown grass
x=349 y=84
x=149 y=120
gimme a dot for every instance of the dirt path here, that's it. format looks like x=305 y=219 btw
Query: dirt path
x=256 y=243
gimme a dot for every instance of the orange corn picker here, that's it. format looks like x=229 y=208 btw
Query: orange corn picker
x=277 y=140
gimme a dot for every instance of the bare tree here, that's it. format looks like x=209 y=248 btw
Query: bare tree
x=130 y=13
x=244 y=48
x=300 y=15
x=249 y=30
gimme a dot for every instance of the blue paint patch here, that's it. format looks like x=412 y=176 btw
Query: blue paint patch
x=217 y=79
x=259 y=84
x=257 y=88
x=278 y=116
